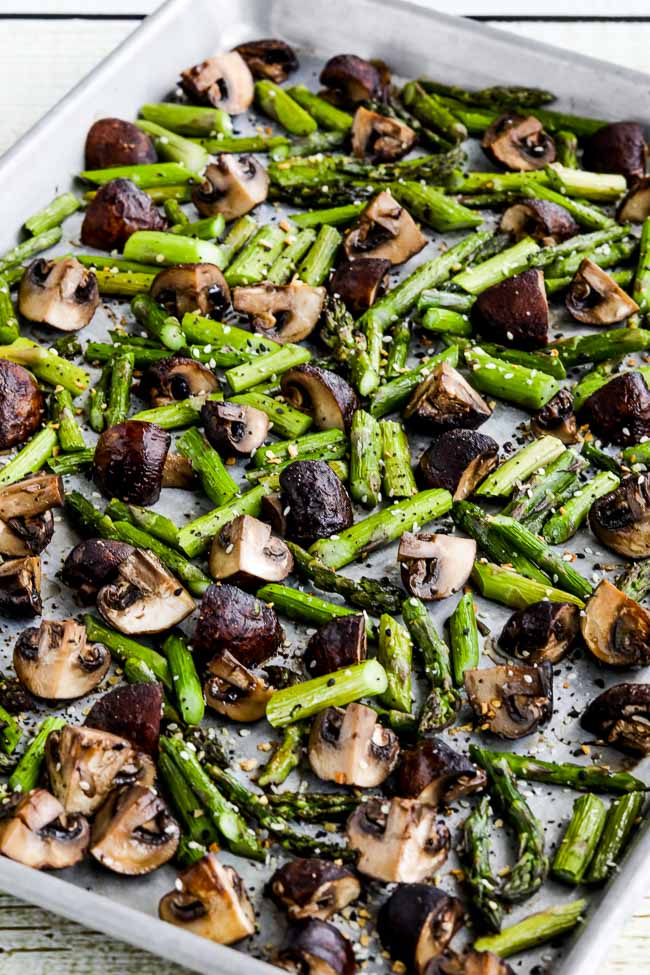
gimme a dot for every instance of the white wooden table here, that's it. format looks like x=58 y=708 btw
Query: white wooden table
x=47 y=46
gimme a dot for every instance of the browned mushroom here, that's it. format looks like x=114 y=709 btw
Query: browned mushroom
x=620 y=716
x=518 y=143
x=635 y=205
x=21 y=404
x=416 y=924
x=515 y=311
x=314 y=947
x=232 y=186
x=92 y=564
x=117 y=210
x=234 y=691
x=621 y=519
x=26 y=520
x=433 y=772
x=557 y=419
x=145 y=597
x=322 y=394
x=547 y=222
x=231 y=619
x=619 y=147
x=114 y=142
x=245 y=552
x=616 y=628
x=55 y=661
x=360 y=282
x=318 y=504
x=541 y=631
x=38 y=832
x=176 y=377
x=269 y=58
x=20 y=587
x=354 y=77
x=595 y=298
x=134 y=832
x=400 y=842
x=129 y=461
x=444 y=400
x=178 y=472
x=210 y=900
x=457 y=461
x=26 y=536
x=233 y=430
x=435 y=566
x=132 y=711
x=511 y=700
x=186 y=288
x=469 y=963
x=224 y=81
x=63 y=294
x=350 y=747
x=288 y=312
x=379 y=137
x=339 y=643
x=384 y=230
x=619 y=412
x=313 y=888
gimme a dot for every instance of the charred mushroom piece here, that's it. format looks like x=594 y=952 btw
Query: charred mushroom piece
x=232 y=186
x=21 y=405
x=511 y=700
x=620 y=716
x=417 y=922
x=134 y=832
x=434 y=773
x=117 y=210
x=38 y=832
x=446 y=401
x=616 y=628
x=547 y=222
x=435 y=566
x=245 y=551
x=63 y=294
x=20 y=588
x=177 y=377
x=557 y=419
x=315 y=947
x=355 y=78
x=385 y=230
x=469 y=963
x=33 y=496
x=129 y=461
x=269 y=58
x=350 y=747
x=542 y=631
x=619 y=147
x=231 y=619
x=114 y=142
x=235 y=431
x=224 y=81
x=457 y=461
x=313 y=888
x=92 y=564
x=131 y=711
x=619 y=412
x=379 y=137
x=596 y=299
x=187 y=288
x=322 y=394
x=26 y=536
x=289 y=312
x=145 y=597
x=54 y=660
x=340 y=643
x=319 y=506
x=635 y=206
x=210 y=900
x=360 y=282
x=514 y=312
x=621 y=519
x=234 y=691
x=402 y=845
x=518 y=143
x=178 y=472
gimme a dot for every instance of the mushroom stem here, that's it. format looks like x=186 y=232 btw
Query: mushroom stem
x=508 y=381
x=305 y=607
x=504 y=586
x=582 y=778
x=25 y=776
x=187 y=686
x=305 y=699
x=565 y=523
x=621 y=818
x=442 y=705
x=395 y=654
x=580 y=840
x=124 y=648
x=31 y=458
x=463 y=638
x=534 y=930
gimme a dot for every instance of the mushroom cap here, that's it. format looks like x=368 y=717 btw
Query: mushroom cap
x=63 y=294
x=33 y=496
x=511 y=700
x=55 y=662
x=380 y=137
x=514 y=312
x=134 y=832
x=93 y=563
x=541 y=631
x=360 y=282
x=287 y=312
x=20 y=588
x=26 y=536
x=210 y=900
x=131 y=711
x=269 y=58
x=339 y=643
x=319 y=506
x=117 y=210
x=384 y=230
x=39 y=833
x=129 y=461
x=176 y=377
x=596 y=299
x=549 y=223
x=434 y=773
x=145 y=597
x=433 y=565
x=635 y=205
x=557 y=419
x=245 y=551
x=349 y=746
x=621 y=519
x=224 y=81
x=356 y=78
x=22 y=405
x=187 y=288
x=314 y=947
x=232 y=186
x=234 y=691
x=234 y=430
x=457 y=461
x=518 y=143
x=619 y=147
x=115 y=142
x=621 y=717
x=616 y=628
x=444 y=400
x=417 y=922
x=619 y=412
x=313 y=888
x=322 y=394
x=231 y=619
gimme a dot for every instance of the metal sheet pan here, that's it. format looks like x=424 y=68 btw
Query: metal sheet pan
x=412 y=41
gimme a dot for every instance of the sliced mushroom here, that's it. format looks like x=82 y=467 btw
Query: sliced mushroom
x=22 y=405
x=314 y=947
x=515 y=311
x=360 y=282
x=457 y=461
x=134 y=832
x=84 y=765
x=350 y=747
x=355 y=78
x=511 y=700
x=20 y=588
x=31 y=497
x=39 y=833
x=322 y=394
x=313 y=888
x=619 y=147
x=245 y=551
x=114 y=142
x=620 y=716
x=595 y=298
x=635 y=206
x=234 y=691
x=557 y=419
x=619 y=412
x=233 y=430
x=616 y=628
x=435 y=566
x=129 y=461
x=340 y=643
x=55 y=661
x=380 y=137
x=232 y=186
x=178 y=472
x=445 y=401
x=26 y=536
x=175 y=378
x=224 y=81
x=542 y=631
x=210 y=900
x=547 y=222
x=433 y=772
x=518 y=143
x=92 y=564
x=273 y=513
x=132 y=711
x=289 y=312
x=417 y=922
x=469 y=963
x=186 y=288
x=145 y=597
x=319 y=506
x=621 y=519
x=63 y=294
x=269 y=58
x=399 y=844
x=384 y=230
x=117 y=210
x=231 y=619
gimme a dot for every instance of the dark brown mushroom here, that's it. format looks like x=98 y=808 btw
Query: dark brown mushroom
x=621 y=519
x=417 y=922
x=557 y=419
x=231 y=619
x=619 y=412
x=117 y=210
x=26 y=536
x=313 y=888
x=350 y=747
x=435 y=566
x=145 y=597
x=385 y=230
x=245 y=552
x=321 y=393
x=616 y=628
x=314 y=947
x=13 y=696
x=518 y=143
x=132 y=711
x=319 y=506
x=635 y=205
x=457 y=461
x=339 y=643
x=26 y=519
x=186 y=288
x=400 y=842
x=511 y=700
x=444 y=400
x=233 y=430
x=287 y=312
x=379 y=137
x=620 y=716
x=134 y=832
x=269 y=58
x=55 y=661
x=619 y=147
x=232 y=186
x=514 y=312
x=63 y=294
x=20 y=588
x=38 y=832
x=272 y=512
x=469 y=963
x=360 y=282
x=433 y=772
x=356 y=79
x=224 y=81
x=178 y=472
x=21 y=405
x=129 y=461
x=210 y=900
x=176 y=377
x=234 y=691
x=547 y=222
x=92 y=564
x=114 y=142
x=541 y=631
x=596 y=299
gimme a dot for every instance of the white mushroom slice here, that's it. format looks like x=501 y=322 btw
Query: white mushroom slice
x=134 y=832
x=232 y=186
x=435 y=566
x=146 y=598
x=224 y=81
x=209 y=899
x=235 y=691
x=350 y=747
x=63 y=294
x=38 y=832
x=55 y=661
x=596 y=299
x=33 y=496
x=246 y=550
x=290 y=310
x=386 y=230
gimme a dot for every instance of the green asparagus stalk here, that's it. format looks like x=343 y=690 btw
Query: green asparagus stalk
x=551 y=365
x=123 y=648
x=175 y=214
x=152 y=522
x=191 y=575
x=318 y=263
x=215 y=479
x=463 y=638
x=254 y=261
x=159 y=194
x=174 y=416
x=237 y=238
x=312 y=807
x=29 y=248
x=285 y=420
x=119 y=394
x=285 y=265
x=188 y=120
x=432 y=208
x=432 y=112
x=375 y=596
x=285 y=758
x=302 y=701
x=532 y=457
x=331 y=443
x=53 y=214
x=104 y=262
x=30 y=458
x=175 y=148
x=303 y=606
x=144 y=175
x=479 y=526
x=308 y=145
x=580 y=840
x=561 y=526
x=534 y=930
x=391 y=396
x=280 y=106
x=165 y=250
x=241 y=378
x=621 y=818
x=198 y=829
x=194 y=537
x=496 y=95
x=9 y=328
x=398 y=479
x=442 y=705
x=70 y=435
x=187 y=686
x=138 y=672
x=97 y=400
x=477 y=871
x=46 y=365
x=502 y=585
x=566 y=144
x=161 y=326
x=600 y=187
x=331 y=216
x=143 y=356
x=607 y=255
x=603 y=345
x=506 y=380
x=446 y=320
x=498 y=268
x=25 y=776
x=453 y=300
x=326 y=115
x=126 y=283
x=71 y=463
x=10 y=732
x=365 y=458
x=202 y=331
x=598 y=458
x=588 y=216
x=641 y=287
x=582 y=778
x=532 y=503
x=635 y=581
x=395 y=654
x=398 y=351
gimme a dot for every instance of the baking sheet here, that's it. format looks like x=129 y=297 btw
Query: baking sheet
x=413 y=41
